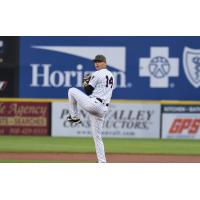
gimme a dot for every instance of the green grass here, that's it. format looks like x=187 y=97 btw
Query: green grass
x=45 y=144
x=112 y=145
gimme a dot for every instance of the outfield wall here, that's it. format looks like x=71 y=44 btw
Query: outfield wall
x=145 y=68
x=125 y=119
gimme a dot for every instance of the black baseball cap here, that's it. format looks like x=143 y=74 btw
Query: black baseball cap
x=100 y=58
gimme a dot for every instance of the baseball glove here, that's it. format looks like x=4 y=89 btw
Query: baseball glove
x=86 y=79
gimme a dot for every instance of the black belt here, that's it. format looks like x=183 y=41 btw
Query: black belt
x=102 y=101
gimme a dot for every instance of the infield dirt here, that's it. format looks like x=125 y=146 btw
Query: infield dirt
x=91 y=158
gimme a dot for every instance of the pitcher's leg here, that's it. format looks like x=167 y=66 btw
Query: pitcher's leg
x=97 y=125
x=72 y=105
x=76 y=96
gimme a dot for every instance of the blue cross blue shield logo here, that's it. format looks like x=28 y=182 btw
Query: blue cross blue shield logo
x=191 y=64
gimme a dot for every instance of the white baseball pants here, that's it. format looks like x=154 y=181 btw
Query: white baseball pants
x=96 y=111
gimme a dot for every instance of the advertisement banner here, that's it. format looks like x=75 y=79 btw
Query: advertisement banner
x=24 y=118
x=122 y=120
x=9 y=52
x=8 y=86
x=181 y=121
x=9 y=62
x=144 y=68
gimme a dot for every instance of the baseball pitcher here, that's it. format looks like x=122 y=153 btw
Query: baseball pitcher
x=98 y=88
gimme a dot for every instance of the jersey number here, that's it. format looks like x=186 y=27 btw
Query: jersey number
x=109 y=81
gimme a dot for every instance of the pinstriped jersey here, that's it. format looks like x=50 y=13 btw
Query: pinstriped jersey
x=103 y=83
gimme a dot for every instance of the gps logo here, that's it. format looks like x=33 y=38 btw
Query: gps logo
x=189 y=125
x=159 y=67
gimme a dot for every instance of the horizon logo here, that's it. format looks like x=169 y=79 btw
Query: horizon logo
x=159 y=67
x=44 y=75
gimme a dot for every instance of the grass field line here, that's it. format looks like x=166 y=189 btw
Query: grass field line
x=86 y=145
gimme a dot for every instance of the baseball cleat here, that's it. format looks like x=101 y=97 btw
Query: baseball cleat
x=73 y=120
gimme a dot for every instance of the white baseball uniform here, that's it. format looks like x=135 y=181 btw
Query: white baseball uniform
x=95 y=104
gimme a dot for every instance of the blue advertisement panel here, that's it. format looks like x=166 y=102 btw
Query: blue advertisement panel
x=145 y=68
